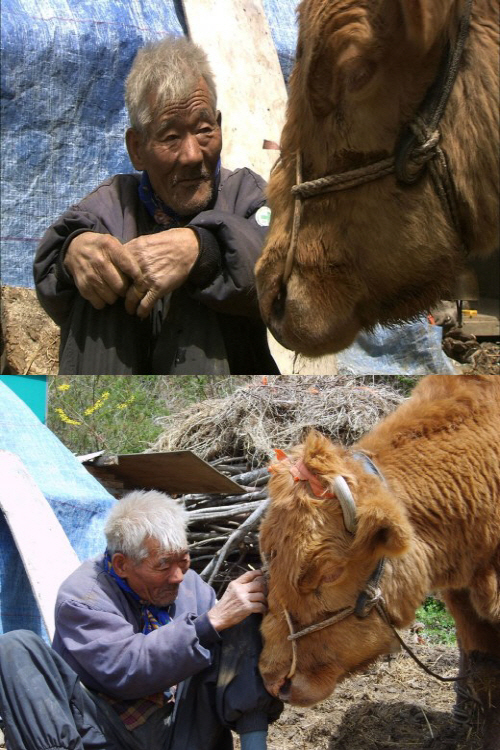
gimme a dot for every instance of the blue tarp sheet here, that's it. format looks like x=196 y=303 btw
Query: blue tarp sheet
x=409 y=349
x=78 y=500
x=63 y=67
x=64 y=63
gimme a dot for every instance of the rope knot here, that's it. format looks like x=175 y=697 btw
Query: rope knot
x=367 y=599
x=428 y=142
x=416 y=147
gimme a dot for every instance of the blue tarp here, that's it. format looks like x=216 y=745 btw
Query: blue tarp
x=409 y=349
x=79 y=502
x=64 y=63
x=63 y=66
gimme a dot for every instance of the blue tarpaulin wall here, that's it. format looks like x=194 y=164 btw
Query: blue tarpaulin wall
x=79 y=502
x=63 y=67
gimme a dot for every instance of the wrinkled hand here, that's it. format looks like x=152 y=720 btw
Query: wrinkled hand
x=102 y=268
x=243 y=597
x=165 y=260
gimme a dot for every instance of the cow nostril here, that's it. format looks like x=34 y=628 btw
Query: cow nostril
x=279 y=302
x=285 y=690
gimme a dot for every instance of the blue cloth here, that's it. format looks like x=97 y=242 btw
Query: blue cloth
x=254 y=741
x=406 y=349
x=79 y=502
x=156 y=208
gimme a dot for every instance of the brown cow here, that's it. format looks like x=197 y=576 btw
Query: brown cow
x=422 y=492
x=385 y=250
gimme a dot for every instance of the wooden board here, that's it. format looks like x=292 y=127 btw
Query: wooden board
x=173 y=472
x=251 y=90
x=47 y=555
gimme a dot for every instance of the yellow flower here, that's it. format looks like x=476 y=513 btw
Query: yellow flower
x=97 y=404
x=64 y=417
x=63 y=387
x=126 y=403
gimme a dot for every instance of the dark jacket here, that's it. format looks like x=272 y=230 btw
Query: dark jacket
x=210 y=325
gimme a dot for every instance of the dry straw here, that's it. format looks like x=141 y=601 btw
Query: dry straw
x=276 y=412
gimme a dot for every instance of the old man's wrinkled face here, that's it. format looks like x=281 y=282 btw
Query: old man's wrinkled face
x=157 y=578
x=181 y=152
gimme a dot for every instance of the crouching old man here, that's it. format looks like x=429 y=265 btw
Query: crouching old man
x=143 y=656
x=152 y=273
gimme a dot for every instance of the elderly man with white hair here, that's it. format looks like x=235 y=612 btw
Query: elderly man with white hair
x=144 y=657
x=152 y=273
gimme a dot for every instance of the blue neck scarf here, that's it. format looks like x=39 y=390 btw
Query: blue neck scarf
x=152 y=617
x=158 y=210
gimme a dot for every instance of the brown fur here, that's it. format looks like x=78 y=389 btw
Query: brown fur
x=436 y=520
x=380 y=252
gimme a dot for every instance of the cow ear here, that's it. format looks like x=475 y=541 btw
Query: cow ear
x=425 y=20
x=383 y=529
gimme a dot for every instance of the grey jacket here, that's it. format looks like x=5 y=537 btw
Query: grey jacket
x=99 y=634
x=210 y=325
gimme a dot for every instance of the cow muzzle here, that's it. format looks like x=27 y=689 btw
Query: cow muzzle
x=304 y=316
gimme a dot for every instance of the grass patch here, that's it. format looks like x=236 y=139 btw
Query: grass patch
x=439 y=625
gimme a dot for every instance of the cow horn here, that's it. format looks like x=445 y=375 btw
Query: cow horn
x=347 y=503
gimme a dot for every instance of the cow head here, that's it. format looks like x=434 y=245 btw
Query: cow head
x=317 y=567
x=380 y=252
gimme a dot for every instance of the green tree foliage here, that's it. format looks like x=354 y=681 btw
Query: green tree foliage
x=113 y=413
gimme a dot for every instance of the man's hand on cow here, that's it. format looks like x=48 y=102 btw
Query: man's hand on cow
x=244 y=596
x=102 y=268
x=165 y=260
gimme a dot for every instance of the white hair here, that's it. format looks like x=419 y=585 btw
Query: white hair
x=165 y=72
x=146 y=514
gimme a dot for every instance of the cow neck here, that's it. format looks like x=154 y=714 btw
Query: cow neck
x=417 y=148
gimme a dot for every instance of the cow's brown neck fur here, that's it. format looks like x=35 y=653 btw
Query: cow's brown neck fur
x=450 y=535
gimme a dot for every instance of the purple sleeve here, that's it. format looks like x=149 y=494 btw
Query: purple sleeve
x=109 y=655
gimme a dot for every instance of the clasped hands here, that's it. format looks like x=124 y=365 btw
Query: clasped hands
x=141 y=271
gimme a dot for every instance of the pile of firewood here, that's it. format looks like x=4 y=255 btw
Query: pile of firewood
x=222 y=529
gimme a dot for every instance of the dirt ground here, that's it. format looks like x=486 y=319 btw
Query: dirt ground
x=393 y=706
x=30 y=339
